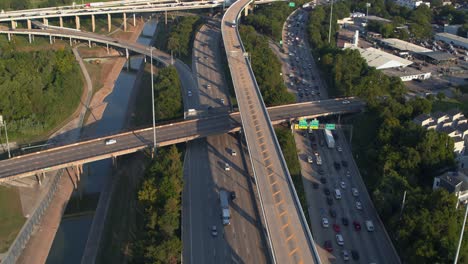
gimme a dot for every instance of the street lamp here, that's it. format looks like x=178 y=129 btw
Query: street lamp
x=3 y=123
x=152 y=100
x=461 y=235
x=329 y=28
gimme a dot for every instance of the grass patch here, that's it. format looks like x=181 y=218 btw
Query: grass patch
x=11 y=216
x=288 y=146
x=448 y=104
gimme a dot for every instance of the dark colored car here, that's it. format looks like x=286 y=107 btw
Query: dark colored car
x=355 y=254
x=329 y=200
x=328 y=245
x=323 y=180
x=314 y=146
x=337 y=228
x=233 y=195
x=332 y=213
x=326 y=191
x=357 y=226
x=344 y=163
x=345 y=221
x=336 y=165
x=315 y=185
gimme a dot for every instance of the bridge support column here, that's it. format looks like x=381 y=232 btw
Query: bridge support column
x=39 y=178
x=70 y=174
x=50 y=39
x=107 y=46
x=246 y=11
x=165 y=17
x=9 y=37
x=125 y=21
x=89 y=43
x=29 y=24
x=93 y=23
x=13 y=24
x=30 y=38
x=134 y=20
x=114 y=161
x=77 y=22
x=71 y=42
x=61 y=21
x=127 y=55
x=109 y=24
x=45 y=21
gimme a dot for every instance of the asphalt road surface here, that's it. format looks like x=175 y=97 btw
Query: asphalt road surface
x=205 y=174
x=289 y=235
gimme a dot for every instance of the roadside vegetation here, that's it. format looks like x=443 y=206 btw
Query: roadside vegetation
x=288 y=147
x=167 y=96
x=158 y=239
x=180 y=37
x=394 y=154
x=38 y=90
x=267 y=68
x=11 y=218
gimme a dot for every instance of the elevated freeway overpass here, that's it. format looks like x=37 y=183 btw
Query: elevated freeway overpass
x=128 y=142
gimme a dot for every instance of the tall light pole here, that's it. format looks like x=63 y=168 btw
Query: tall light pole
x=3 y=123
x=367 y=12
x=329 y=28
x=152 y=101
x=461 y=235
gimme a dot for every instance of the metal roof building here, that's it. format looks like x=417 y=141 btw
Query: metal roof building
x=402 y=45
x=452 y=39
x=382 y=60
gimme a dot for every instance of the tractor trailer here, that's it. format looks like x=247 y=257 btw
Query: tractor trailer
x=329 y=138
x=224 y=200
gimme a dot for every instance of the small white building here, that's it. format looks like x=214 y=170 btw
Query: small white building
x=412 y=4
x=439 y=117
x=423 y=119
x=381 y=59
x=453 y=182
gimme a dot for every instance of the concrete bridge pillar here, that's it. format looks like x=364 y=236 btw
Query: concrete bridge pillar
x=107 y=46
x=29 y=24
x=114 y=161
x=127 y=55
x=45 y=21
x=61 y=21
x=246 y=11
x=9 y=37
x=125 y=21
x=13 y=24
x=109 y=24
x=39 y=177
x=89 y=43
x=30 y=38
x=70 y=42
x=165 y=17
x=77 y=22
x=93 y=23
x=70 y=174
x=134 y=20
x=50 y=39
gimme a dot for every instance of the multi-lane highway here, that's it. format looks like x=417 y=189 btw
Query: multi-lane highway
x=205 y=174
x=337 y=172
x=289 y=237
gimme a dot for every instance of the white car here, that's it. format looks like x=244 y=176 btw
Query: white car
x=345 y=255
x=358 y=205
x=310 y=160
x=189 y=93
x=345 y=102
x=343 y=185
x=233 y=153
x=110 y=141
x=339 y=149
x=348 y=173
x=355 y=192
x=214 y=231
x=339 y=239
x=325 y=222
x=227 y=167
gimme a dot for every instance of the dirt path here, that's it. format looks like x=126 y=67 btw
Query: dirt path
x=38 y=246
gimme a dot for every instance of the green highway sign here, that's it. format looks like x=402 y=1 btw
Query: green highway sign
x=302 y=124
x=292 y=4
x=330 y=126
x=314 y=124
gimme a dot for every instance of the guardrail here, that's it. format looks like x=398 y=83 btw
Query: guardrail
x=278 y=149
x=16 y=248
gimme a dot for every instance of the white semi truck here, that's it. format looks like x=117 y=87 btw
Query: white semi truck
x=329 y=138
x=225 y=213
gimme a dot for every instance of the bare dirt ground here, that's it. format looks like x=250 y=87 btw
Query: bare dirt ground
x=38 y=247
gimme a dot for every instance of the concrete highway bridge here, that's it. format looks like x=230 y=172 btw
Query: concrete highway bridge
x=90 y=150
x=120 y=8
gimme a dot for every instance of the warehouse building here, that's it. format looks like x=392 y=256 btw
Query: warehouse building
x=452 y=39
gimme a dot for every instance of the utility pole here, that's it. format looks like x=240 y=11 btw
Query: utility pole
x=367 y=12
x=461 y=235
x=331 y=15
x=3 y=123
x=152 y=100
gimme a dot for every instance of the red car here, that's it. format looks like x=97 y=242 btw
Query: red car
x=336 y=228
x=357 y=226
x=328 y=245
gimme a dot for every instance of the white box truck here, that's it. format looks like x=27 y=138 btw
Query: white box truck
x=329 y=138
x=224 y=200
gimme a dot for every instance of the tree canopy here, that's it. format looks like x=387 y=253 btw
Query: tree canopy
x=181 y=35
x=168 y=97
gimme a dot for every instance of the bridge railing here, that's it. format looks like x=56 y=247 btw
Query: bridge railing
x=278 y=148
x=16 y=248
